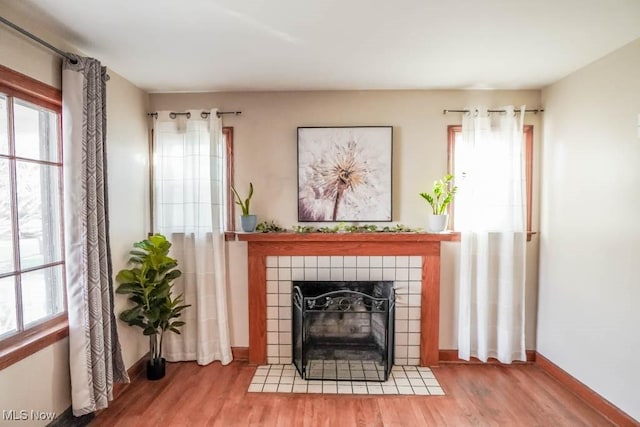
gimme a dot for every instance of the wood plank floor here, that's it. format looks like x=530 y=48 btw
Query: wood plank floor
x=477 y=395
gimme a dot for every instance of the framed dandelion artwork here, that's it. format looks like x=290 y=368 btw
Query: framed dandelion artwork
x=344 y=173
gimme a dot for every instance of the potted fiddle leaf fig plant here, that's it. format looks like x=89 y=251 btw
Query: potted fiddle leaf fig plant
x=443 y=193
x=247 y=220
x=149 y=286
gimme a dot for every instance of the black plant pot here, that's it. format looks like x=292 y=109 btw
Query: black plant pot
x=156 y=370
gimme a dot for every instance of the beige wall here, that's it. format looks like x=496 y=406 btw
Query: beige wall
x=590 y=236
x=41 y=381
x=265 y=153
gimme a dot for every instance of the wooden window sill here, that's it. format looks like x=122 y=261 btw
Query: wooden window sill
x=13 y=351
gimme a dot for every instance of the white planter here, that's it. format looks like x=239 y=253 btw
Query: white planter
x=438 y=223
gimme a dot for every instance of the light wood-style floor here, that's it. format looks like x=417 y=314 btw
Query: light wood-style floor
x=477 y=395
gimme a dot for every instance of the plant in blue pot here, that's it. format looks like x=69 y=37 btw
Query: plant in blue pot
x=247 y=220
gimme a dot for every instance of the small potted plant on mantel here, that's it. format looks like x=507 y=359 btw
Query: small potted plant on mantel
x=247 y=220
x=443 y=193
x=149 y=286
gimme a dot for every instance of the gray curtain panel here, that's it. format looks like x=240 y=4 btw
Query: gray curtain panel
x=95 y=354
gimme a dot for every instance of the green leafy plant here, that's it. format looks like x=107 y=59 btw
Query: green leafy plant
x=149 y=287
x=443 y=192
x=269 y=227
x=244 y=205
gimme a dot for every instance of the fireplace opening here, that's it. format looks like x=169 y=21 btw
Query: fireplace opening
x=343 y=330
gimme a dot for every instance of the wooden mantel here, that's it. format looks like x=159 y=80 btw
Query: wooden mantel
x=261 y=245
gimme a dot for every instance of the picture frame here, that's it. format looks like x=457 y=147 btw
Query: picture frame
x=345 y=174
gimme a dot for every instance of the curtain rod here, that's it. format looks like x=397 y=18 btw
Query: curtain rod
x=203 y=114
x=40 y=41
x=536 y=111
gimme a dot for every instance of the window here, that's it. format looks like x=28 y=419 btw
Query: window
x=455 y=135
x=32 y=279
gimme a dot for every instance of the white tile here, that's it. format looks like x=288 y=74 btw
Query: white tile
x=324 y=274
x=436 y=391
x=272 y=380
x=375 y=274
x=389 y=262
x=415 y=261
x=314 y=388
x=405 y=390
x=324 y=261
x=402 y=261
x=402 y=339
x=289 y=372
x=337 y=261
x=272 y=273
x=414 y=325
x=284 y=360
x=297 y=273
x=286 y=380
x=402 y=274
x=284 y=287
x=285 y=388
x=284 y=325
x=272 y=350
x=272 y=312
x=415 y=274
x=272 y=261
x=260 y=379
x=414 y=313
x=401 y=351
x=284 y=313
x=402 y=313
x=270 y=388
x=284 y=300
x=415 y=361
x=272 y=338
x=362 y=262
x=297 y=261
x=431 y=382
x=253 y=388
x=402 y=300
x=413 y=351
x=401 y=361
x=272 y=300
x=375 y=261
x=329 y=389
x=284 y=338
x=389 y=389
x=427 y=374
x=262 y=370
x=414 y=339
x=284 y=273
x=420 y=391
x=402 y=326
x=285 y=351
x=350 y=261
x=415 y=287
x=310 y=261
x=374 y=389
x=284 y=261
x=360 y=389
x=272 y=287
x=388 y=274
x=362 y=273
x=350 y=274
x=299 y=388
x=401 y=287
x=273 y=359
x=402 y=381
x=337 y=273
x=344 y=389
x=416 y=382
x=310 y=273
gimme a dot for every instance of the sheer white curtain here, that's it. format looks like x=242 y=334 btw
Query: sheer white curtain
x=490 y=213
x=188 y=209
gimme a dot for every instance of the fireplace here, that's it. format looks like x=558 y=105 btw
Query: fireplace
x=343 y=330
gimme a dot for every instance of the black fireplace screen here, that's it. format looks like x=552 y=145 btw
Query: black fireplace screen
x=343 y=330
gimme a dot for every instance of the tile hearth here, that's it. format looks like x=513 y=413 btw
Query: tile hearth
x=404 y=380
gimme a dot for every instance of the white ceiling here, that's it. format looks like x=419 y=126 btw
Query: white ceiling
x=242 y=45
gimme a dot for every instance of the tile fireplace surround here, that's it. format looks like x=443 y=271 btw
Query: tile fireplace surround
x=412 y=258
